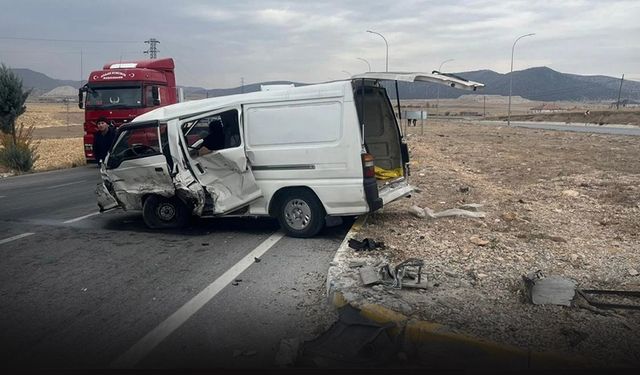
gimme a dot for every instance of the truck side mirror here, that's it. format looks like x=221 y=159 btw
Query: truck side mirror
x=155 y=94
x=80 y=98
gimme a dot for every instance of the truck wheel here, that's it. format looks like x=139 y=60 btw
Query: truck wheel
x=300 y=214
x=163 y=213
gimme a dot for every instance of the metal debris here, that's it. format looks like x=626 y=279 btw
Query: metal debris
x=550 y=290
x=366 y=244
x=410 y=269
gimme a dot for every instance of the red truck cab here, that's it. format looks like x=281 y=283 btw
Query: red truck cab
x=123 y=90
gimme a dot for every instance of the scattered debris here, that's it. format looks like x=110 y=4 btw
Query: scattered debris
x=417 y=212
x=571 y=193
x=632 y=272
x=366 y=244
x=478 y=241
x=369 y=276
x=574 y=336
x=256 y=259
x=625 y=295
x=288 y=352
x=357 y=263
x=353 y=341
x=205 y=244
x=453 y=212
x=464 y=189
x=474 y=207
x=551 y=290
x=410 y=269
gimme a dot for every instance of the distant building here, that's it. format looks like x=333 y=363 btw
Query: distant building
x=546 y=108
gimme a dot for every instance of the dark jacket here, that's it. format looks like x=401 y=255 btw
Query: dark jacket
x=102 y=143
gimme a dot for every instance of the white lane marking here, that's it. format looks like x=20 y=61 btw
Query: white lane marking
x=67 y=184
x=2 y=196
x=140 y=349
x=23 y=235
x=80 y=218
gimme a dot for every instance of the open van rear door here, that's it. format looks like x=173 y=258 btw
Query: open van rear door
x=377 y=140
x=434 y=77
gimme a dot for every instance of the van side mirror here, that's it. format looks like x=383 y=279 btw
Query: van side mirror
x=155 y=94
x=80 y=98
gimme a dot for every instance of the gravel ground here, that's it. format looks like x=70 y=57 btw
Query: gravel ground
x=564 y=203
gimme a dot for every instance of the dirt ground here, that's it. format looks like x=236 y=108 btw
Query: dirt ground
x=567 y=204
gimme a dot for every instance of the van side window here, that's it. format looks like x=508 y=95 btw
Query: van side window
x=218 y=132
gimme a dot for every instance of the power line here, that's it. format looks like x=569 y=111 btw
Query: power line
x=69 y=40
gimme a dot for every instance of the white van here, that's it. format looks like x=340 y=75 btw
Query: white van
x=299 y=154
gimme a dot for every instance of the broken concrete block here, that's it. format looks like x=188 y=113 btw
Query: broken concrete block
x=551 y=290
x=475 y=207
x=417 y=212
x=357 y=263
x=369 y=276
x=459 y=212
x=571 y=193
x=478 y=241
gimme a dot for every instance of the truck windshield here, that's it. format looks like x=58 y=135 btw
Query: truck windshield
x=114 y=97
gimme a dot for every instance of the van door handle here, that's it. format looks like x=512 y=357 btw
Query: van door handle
x=200 y=168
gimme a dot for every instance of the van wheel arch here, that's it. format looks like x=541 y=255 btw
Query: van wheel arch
x=160 y=212
x=284 y=201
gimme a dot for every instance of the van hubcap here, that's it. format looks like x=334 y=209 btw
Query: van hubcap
x=166 y=211
x=297 y=213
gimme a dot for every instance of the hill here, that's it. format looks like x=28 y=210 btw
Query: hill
x=540 y=83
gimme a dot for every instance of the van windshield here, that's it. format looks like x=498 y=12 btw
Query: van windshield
x=111 y=97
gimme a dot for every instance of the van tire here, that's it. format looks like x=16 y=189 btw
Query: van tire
x=164 y=213
x=300 y=213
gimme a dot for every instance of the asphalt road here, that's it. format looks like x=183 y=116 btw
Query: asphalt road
x=615 y=130
x=80 y=289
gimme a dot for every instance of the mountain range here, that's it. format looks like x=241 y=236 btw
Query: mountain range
x=540 y=83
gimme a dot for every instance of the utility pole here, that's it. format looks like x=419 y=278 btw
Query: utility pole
x=153 y=50
x=81 y=73
x=619 y=92
x=484 y=106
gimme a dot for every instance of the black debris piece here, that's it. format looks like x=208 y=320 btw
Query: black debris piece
x=366 y=244
x=256 y=259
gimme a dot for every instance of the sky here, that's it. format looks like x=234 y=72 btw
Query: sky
x=219 y=44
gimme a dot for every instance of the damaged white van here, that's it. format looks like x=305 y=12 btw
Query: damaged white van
x=299 y=154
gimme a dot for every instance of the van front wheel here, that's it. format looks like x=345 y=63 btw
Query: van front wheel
x=164 y=213
x=301 y=214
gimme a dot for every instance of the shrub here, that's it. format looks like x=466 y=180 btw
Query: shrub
x=21 y=155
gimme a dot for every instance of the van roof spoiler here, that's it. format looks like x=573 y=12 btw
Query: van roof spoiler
x=435 y=77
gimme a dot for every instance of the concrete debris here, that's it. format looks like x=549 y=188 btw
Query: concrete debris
x=399 y=277
x=453 y=212
x=479 y=241
x=357 y=263
x=571 y=193
x=417 y=212
x=551 y=290
x=288 y=352
x=475 y=207
x=632 y=272
x=369 y=276
x=464 y=189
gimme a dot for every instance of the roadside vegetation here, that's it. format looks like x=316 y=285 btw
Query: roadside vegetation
x=17 y=150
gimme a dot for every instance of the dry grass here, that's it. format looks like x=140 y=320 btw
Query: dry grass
x=42 y=115
x=59 y=153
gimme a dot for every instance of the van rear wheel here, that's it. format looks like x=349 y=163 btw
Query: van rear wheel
x=301 y=214
x=164 y=213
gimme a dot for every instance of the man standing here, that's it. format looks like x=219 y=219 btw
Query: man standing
x=103 y=139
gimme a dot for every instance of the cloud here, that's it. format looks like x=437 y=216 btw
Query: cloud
x=217 y=42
